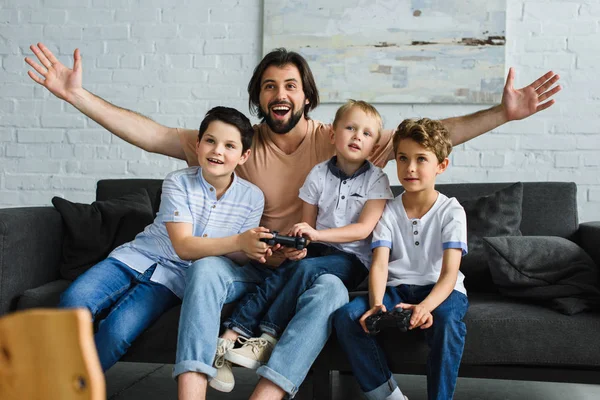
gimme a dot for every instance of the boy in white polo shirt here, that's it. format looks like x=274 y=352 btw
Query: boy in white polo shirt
x=418 y=245
x=343 y=200
x=205 y=211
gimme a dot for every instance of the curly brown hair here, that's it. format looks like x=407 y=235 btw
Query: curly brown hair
x=429 y=133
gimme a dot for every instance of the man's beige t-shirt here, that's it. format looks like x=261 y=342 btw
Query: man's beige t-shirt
x=280 y=176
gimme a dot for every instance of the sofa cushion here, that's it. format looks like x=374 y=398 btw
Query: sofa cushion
x=45 y=296
x=94 y=230
x=113 y=188
x=550 y=270
x=508 y=331
x=497 y=214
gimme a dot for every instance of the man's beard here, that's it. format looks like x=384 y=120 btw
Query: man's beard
x=282 y=127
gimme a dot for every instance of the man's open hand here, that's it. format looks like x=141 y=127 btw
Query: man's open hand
x=61 y=81
x=524 y=102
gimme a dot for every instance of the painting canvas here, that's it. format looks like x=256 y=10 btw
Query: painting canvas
x=395 y=51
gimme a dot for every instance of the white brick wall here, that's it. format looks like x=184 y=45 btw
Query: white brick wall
x=172 y=60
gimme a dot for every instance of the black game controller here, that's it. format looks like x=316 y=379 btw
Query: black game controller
x=397 y=318
x=299 y=243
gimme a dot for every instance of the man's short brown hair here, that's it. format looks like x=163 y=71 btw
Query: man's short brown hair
x=429 y=133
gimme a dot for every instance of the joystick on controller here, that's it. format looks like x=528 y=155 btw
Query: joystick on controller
x=299 y=243
x=397 y=318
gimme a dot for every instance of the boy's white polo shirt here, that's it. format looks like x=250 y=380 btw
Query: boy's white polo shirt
x=417 y=245
x=188 y=197
x=341 y=198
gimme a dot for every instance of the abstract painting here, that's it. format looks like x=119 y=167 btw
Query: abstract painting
x=395 y=51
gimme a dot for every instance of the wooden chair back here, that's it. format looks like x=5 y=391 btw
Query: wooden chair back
x=49 y=354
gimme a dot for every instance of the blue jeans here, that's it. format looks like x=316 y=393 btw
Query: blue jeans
x=211 y=282
x=214 y=281
x=134 y=303
x=445 y=338
x=274 y=307
x=306 y=334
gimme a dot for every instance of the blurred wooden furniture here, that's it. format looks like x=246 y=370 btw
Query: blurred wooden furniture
x=49 y=354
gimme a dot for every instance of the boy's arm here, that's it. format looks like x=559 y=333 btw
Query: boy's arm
x=378 y=275
x=440 y=292
x=252 y=221
x=176 y=214
x=134 y=128
x=190 y=247
x=447 y=280
x=309 y=213
x=309 y=221
x=359 y=230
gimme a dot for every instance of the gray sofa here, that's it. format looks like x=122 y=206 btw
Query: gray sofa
x=507 y=338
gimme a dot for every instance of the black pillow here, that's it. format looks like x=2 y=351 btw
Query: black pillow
x=546 y=269
x=94 y=230
x=498 y=214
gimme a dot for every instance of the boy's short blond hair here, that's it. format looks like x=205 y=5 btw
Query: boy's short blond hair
x=429 y=133
x=365 y=107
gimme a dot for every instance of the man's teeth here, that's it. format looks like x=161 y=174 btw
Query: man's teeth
x=281 y=108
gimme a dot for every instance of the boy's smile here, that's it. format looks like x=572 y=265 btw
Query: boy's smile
x=220 y=151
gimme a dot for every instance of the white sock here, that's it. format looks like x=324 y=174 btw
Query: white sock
x=396 y=395
x=271 y=339
x=228 y=343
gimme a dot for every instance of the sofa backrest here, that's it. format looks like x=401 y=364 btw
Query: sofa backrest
x=549 y=208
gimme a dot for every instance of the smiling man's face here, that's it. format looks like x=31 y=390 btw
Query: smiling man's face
x=282 y=98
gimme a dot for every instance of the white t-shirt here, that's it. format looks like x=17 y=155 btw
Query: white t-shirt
x=417 y=245
x=341 y=198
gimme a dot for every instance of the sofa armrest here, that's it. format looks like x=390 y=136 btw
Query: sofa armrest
x=30 y=250
x=589 y=238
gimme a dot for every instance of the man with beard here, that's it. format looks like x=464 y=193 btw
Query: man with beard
x=287 y=145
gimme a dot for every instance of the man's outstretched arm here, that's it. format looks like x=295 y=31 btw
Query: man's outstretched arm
x=516 y=104
x=66 y=84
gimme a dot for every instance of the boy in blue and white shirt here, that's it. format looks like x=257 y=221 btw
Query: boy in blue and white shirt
x=343 y=200
x=418 y=245
x=204 y=211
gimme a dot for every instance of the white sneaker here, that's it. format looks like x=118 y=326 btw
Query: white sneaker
x=223 y=381
x=254 y=352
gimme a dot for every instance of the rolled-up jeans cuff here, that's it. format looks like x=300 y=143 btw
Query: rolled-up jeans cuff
x=194 y=366
x=382 y=391
x=278 y=379
x=238 y=328
x=271 y=329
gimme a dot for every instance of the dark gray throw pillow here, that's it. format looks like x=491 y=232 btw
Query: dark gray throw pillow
x=546 y=269
x=498 y=214
x=94 y=230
